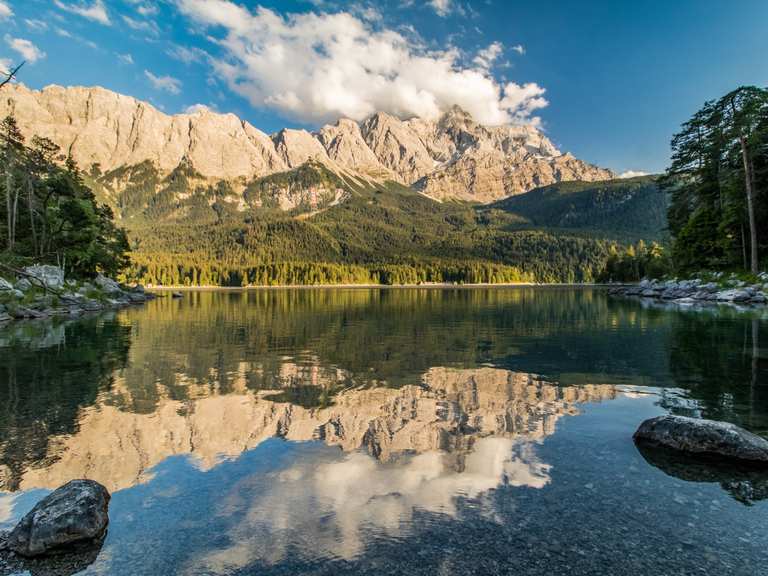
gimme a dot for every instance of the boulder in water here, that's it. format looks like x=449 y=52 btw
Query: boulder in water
x=699 y=436
x=74 y=514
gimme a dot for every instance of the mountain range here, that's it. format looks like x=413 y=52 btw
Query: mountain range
x=120 y=140
x=207 y=198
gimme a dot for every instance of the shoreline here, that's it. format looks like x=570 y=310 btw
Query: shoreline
x=444 y=286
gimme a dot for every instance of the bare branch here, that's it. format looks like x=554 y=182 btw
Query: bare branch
x=9 y=76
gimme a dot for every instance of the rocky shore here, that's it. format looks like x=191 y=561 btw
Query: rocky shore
x=719 y=289
x=42 y=292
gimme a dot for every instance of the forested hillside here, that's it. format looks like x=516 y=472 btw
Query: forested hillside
x=634 y=207
x=386 y=234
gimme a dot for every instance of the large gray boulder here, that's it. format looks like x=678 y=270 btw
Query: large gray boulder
x=705 y=437
x=50 y=276
x=5 y=285
x=108 y=285
x=76 y=513
x=733 y=295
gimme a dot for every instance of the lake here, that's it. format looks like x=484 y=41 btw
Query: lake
x=390 y=431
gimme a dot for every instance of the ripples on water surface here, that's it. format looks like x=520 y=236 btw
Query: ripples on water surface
x=413 y=431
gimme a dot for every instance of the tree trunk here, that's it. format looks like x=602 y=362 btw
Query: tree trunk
x=743 y=247
x=31 y=210
x=8 y=205
x=15 y=218
x=750 y=204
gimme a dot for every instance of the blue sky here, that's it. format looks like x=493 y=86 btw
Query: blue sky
x=609 y=80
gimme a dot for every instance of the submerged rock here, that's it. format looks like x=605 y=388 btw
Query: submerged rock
x=743 y=482
x=699 y=436
x=57 y=565
x=76 y=513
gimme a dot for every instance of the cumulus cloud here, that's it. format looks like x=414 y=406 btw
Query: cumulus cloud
x=95 y=11
x=164 y=83
x=633 y=174
x=519 y=48
x=25 y=48
x=337 y=505
x=317 y=67
x=198 y=109
x=5 y=11
x=5 y=65
x=524 y=100
x=442 y=7
x=487 y=56
x=144 y=7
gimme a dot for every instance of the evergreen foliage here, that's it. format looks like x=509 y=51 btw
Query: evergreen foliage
x=635 y=263
x=630 y=207
x=49 y=215
x=719 y=167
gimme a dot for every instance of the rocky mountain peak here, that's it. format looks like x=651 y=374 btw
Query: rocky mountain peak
x=451 y=158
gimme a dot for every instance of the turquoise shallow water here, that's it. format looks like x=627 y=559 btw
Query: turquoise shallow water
x=394 y=431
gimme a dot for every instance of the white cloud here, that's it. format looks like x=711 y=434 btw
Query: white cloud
x=198 y=108
x=317 y=67
x=520 y=49
x=165 y=83
x=6 y=507
x=187 y=55
x=36 y=25
x=633 y=174
x=487 y=56
x=125 y=58
x=67 y=34
x=25 y=48
x=5 y=65
x=524 y=100
x=147 y=26
x=95 y=11
x=5 y=11
x=338 y=504
x=442 y=7
x=145 y=7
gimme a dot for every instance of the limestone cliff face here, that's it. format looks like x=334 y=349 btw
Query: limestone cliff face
x=449 y=412
x=452 y=158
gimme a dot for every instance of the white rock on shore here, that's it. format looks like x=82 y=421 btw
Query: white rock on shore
x=697 y=291
x=43 y=292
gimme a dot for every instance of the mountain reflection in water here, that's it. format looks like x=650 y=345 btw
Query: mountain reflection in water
x=417 y=431
x=450 y=410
